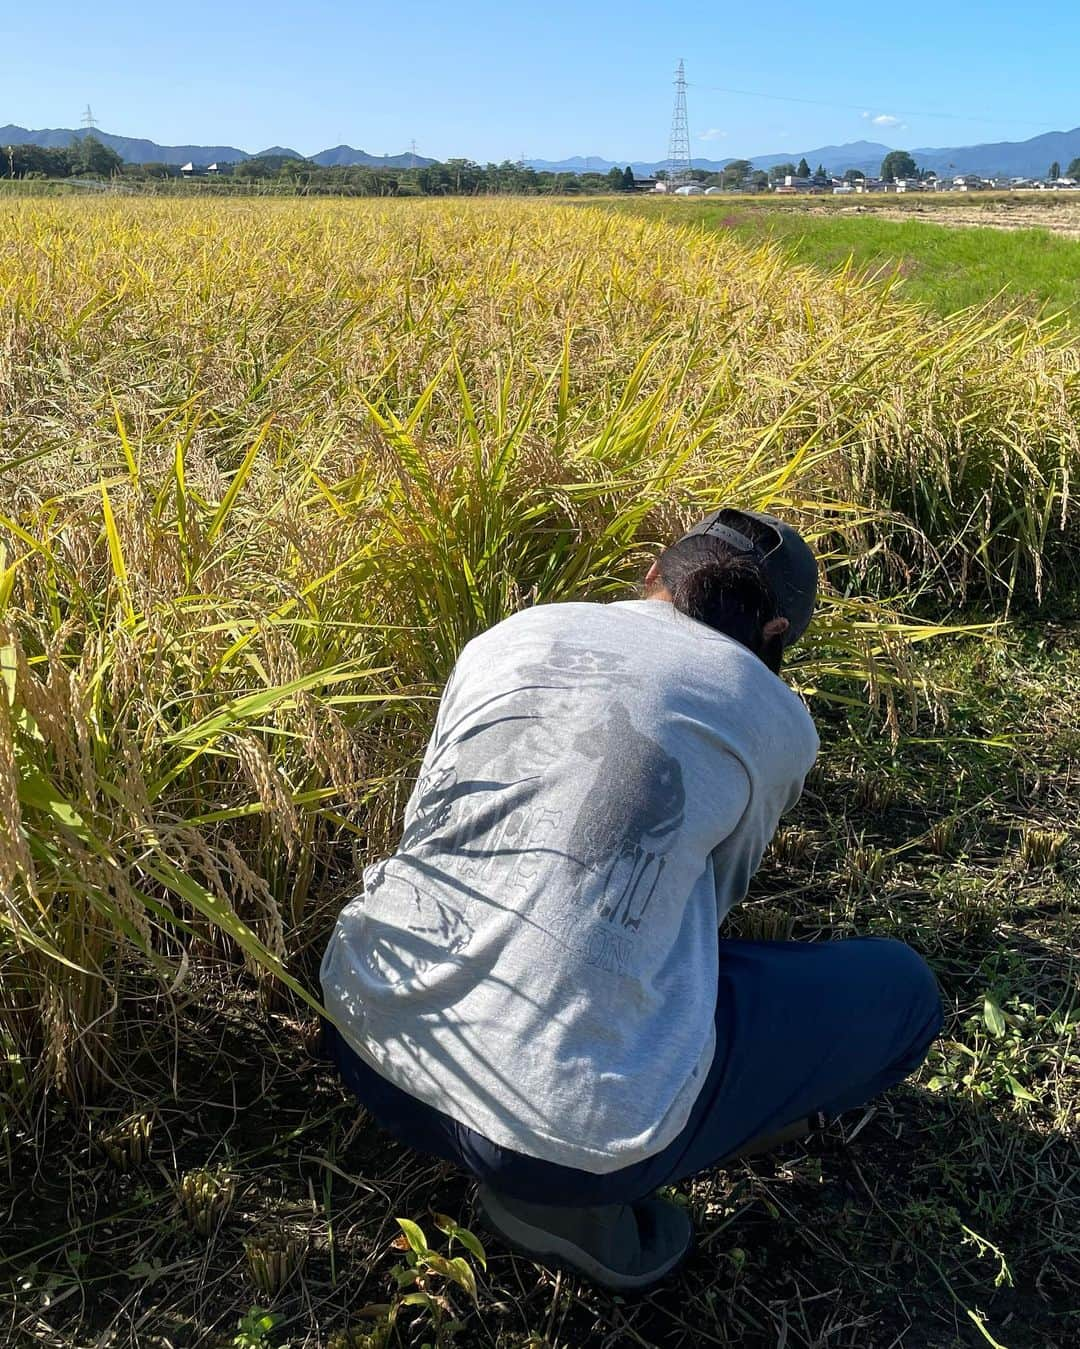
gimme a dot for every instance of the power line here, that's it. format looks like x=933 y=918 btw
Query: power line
x=679 y=141
x=862 y=107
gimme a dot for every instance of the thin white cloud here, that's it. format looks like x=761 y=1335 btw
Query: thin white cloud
x=884 y=119
x=714 y=133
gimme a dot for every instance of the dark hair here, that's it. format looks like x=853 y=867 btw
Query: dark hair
x=726 y=590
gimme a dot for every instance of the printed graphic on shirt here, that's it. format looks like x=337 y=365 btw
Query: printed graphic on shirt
x=630 y=817
x=475 y=820
x=439 y=930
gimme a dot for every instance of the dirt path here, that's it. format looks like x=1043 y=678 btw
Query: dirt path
x=1058 y=219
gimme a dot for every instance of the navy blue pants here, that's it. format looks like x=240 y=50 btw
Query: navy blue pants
x=801 y=1027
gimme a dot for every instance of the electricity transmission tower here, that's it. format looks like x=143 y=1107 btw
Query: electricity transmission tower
x=679 y=143
x=88 y=119
x=412 y=154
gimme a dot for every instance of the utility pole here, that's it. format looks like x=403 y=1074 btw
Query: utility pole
x=679 y=141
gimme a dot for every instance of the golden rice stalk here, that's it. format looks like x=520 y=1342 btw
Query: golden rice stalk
x=206 y=1197
x=127 y=1143
x=257 y=510
x=273 y=1257
x=1042 y=847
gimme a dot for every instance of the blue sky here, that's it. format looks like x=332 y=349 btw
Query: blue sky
x=495 y=80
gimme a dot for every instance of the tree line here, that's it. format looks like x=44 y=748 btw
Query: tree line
x=89 y=157
x=86 y=156
x=454 y=177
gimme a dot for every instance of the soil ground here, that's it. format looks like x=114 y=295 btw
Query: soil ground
x=947 y=1214
x=1061 y=219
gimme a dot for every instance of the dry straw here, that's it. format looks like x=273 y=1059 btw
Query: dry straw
x=268 y=466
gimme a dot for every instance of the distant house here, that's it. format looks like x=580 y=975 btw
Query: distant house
x=201 y=170
x=967 y=182
x=909 y=185
x=843 y=189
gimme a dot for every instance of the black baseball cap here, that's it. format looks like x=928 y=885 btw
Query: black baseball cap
x=784 y=554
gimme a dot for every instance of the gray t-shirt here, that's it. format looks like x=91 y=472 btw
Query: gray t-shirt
x=538 y=959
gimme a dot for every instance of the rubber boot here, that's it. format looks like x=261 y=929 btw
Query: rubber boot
x=624 y=1247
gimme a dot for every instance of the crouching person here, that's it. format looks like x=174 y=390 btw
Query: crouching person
x=532 y=986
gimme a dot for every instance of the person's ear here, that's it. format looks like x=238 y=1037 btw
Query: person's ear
x=652 y=575
x=772 y=643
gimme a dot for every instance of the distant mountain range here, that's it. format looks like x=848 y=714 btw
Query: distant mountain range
x=136 y=151
x=1030 y=158
x=864 y=155
x=342 y=156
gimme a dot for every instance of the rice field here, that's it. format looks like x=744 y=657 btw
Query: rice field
x=265 y=467
x=946 y=253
